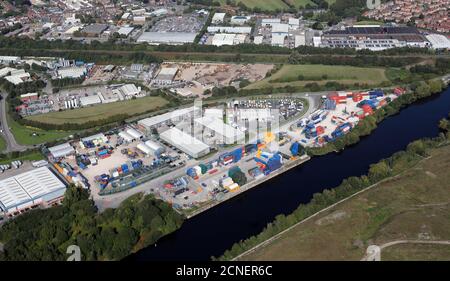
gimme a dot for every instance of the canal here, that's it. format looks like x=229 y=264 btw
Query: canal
x=216 y=230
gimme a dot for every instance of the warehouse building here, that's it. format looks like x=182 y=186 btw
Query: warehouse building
x=90 y=100
x=230 y=29
x=375 y=38
x=185 y=142
x=94 y=30
x=128 y=90
x=240 y=20
x=218 y=18
x=438 y=41
x=173 y=116
x=9 y=59
x=151 y=148
x=61 y=150
x=72 y=72
x=170 y=38
x=38 y=187
x=228 y=134
x=125 y=30
x=166 y=76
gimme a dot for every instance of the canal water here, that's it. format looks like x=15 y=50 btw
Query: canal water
x=216 y=230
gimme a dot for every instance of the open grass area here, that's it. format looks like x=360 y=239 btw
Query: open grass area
x=34 y=156
x=417 y=252
x=93 y=113
x=2 y=144
x=267 y=5
x=300 y=75
x=412 y=206
x=31 y=136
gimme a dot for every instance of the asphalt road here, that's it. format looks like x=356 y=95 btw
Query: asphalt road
x=11 y=144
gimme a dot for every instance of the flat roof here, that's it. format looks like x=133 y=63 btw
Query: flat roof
x=95 y=28
x=167 y=37
x=93 y=99
x=28 y=187
x=158 y=119
x=438 y=41
x=217 y=125
x=184 y=141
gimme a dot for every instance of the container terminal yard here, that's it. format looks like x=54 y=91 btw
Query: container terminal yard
x=195 y=158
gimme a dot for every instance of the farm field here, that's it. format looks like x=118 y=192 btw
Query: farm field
x=93 y=113
x=412 y=206
x=299 y=75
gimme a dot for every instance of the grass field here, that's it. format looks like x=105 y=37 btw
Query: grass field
x=31 y=136
x=412 y=206
x=31 y=157
x=82 y=115
x=289 y=75
x=268 y=5
x=2 y=144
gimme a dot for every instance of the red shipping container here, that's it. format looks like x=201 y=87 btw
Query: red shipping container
x=320 y=130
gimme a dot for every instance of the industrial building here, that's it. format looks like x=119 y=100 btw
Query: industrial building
x=373 y=37
x=166 y=75
x=9 y=59
x=240 y=20
x=24 y=191
x=438 y=41
x=125 y=30
x=220 y=39
x=61 y=150
x=128 y=90
x=151 y=148
x=90 y=100
x=185 y=142
x=72 y=72
x=18 y=76
x=228 y=134
x=218 y=18
x=177 y=115
x=230 y=29
x=94 y=30
x=170 y=38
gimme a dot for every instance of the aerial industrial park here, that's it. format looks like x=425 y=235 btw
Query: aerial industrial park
x=128 y=128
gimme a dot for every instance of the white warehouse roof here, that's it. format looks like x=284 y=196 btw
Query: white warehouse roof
x=230 y=29
x=217 y=125
x=280 y=27
x=134 y=133
x=89 y=100
x=221 y=39
x=158 y=119
x=72 y=72
x=185 y=142
x=167 y=37
x=30 y=188
x=438 y=41
x=218 y=17
x=61 y=150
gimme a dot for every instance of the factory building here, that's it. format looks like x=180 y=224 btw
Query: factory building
x=230 y=29
x=72 y=72
x=90 y=100
x=240 y=20
x=375 y=38
x=185 y=142
x=125 y=30
x=94 y=30
x=173 y=116
x=128 y=90
x=220 y=39
x=9 y=59
x=151 y=148
x=38 y=187
x=165 y=76
x=218 y=18
x=61 y=150
x=170 y=38
x=228 y=134
x=438 y=41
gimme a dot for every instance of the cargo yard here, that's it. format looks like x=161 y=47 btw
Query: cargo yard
x=195 y=158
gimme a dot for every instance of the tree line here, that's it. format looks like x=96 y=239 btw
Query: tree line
x=45 y=234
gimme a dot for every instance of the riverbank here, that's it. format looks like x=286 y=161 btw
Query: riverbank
x=370 y=217
x=246 y=215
